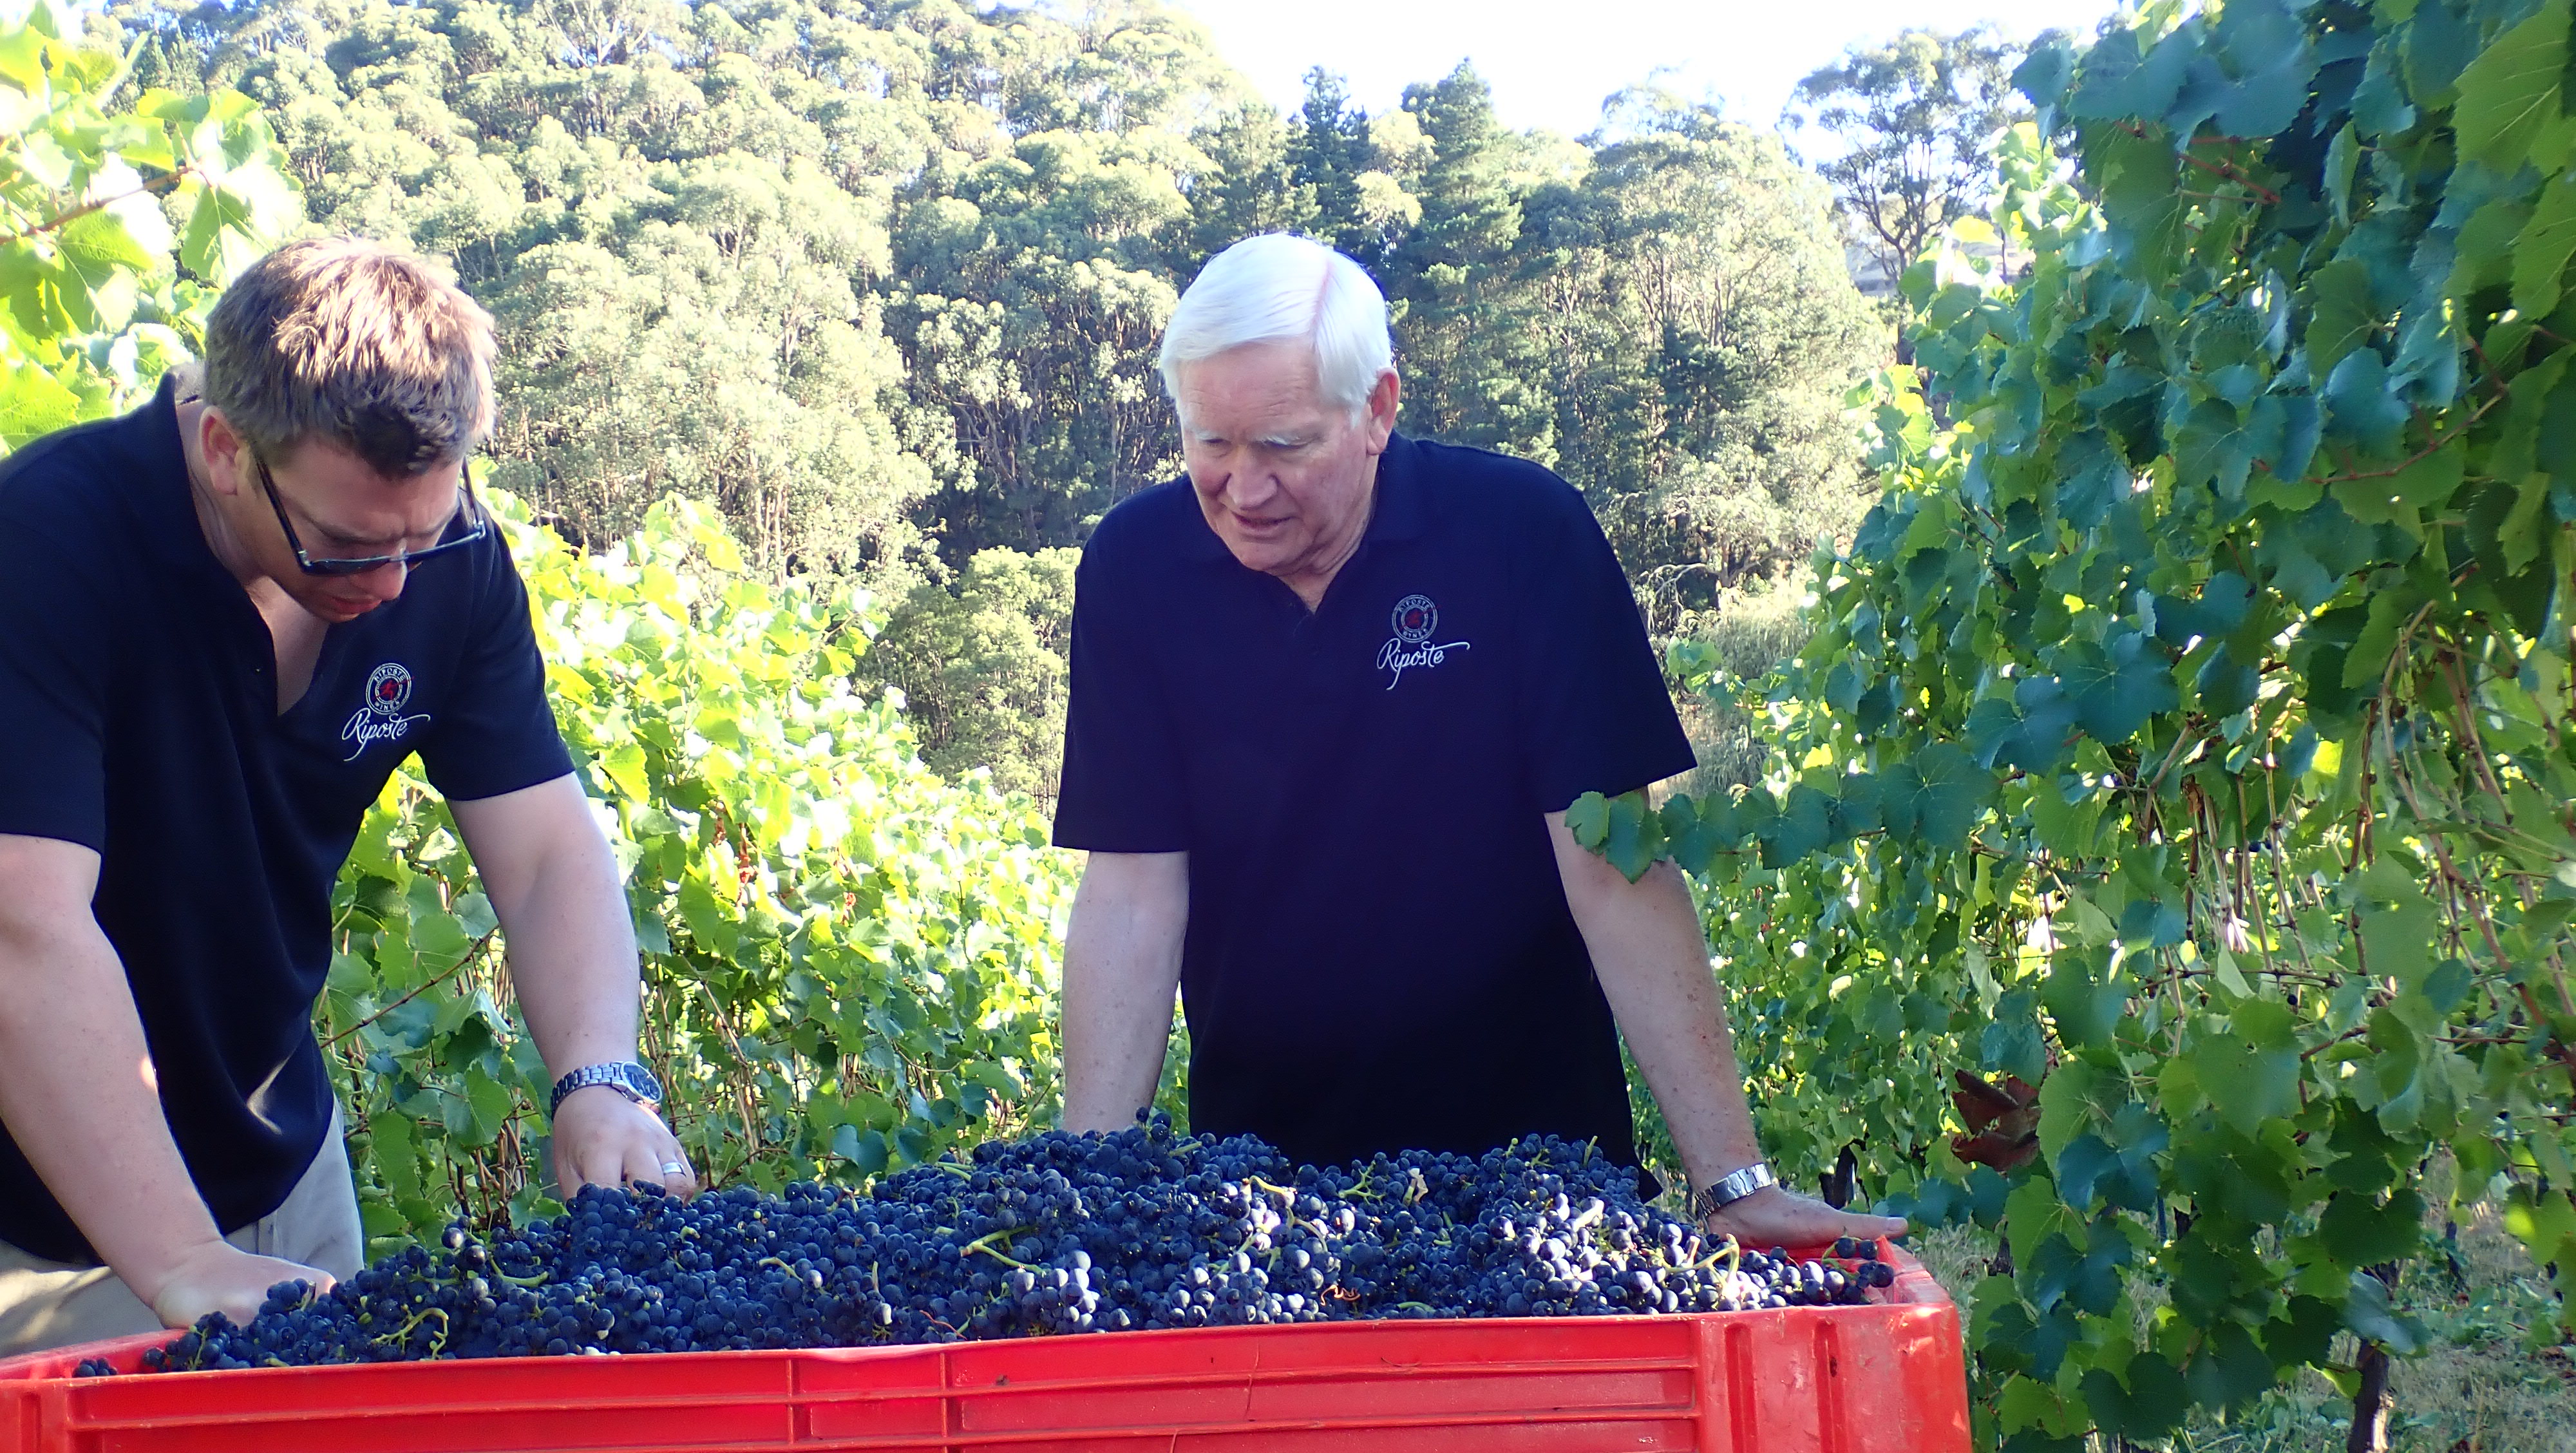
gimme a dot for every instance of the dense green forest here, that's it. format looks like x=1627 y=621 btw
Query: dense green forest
x=884 y=280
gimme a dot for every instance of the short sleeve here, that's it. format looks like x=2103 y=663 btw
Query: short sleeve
x=1122 y=789
x=496 y=732
x=53 y=695
x=1596 y=714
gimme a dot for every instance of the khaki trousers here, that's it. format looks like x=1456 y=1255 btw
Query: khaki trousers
x=49 y=1304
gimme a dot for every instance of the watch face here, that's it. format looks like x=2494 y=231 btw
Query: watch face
x=641 y=1081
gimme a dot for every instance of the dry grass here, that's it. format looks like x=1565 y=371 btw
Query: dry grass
x=2479 y=1388
x=1752 y=630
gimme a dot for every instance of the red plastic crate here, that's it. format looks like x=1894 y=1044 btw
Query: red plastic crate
x=1882 y=1378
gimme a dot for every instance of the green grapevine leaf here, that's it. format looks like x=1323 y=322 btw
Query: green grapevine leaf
x=2148 y=1408
x=1805 y=825
x=2230 y=1370
x=2247 y=1079
x=2510 y=92
x=2541 y=250
x=2085 y=1006
x=1936 y=794
x=2342 y=156
x=2094 y=478
x=2342 y=316
x=2118 y=686
x=2120 y=82
x=2268 y=50
x=33 y=403
x=1588 y=819
x=2086 y=1280
x=2369 y=1314
x=2358 y=1230
x=1635 y=841
x=2361 y=405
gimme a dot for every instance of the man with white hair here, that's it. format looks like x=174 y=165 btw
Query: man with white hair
x=1332 y=694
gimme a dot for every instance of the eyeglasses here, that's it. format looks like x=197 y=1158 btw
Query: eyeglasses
x=468 y=509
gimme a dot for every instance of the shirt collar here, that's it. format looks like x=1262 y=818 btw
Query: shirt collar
x=1401 y=512
x=1397 y=511
x=165 y=497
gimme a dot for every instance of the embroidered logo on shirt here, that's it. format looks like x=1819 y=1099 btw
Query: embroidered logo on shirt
x=382 y=718
x=1414 y=620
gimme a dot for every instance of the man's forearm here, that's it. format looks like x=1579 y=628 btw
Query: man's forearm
x=1646 y=948
x=555 y=887
x=1122 y=964
x=572 y=958
x=78 y=1094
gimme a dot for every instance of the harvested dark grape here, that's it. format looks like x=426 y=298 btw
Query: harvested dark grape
x=1055 y=1234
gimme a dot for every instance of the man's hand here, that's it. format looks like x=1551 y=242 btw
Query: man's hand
x=217 y=1276
x=1775 y=1217
x=604 y=1139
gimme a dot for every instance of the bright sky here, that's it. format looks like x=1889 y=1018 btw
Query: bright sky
x=1551 y=64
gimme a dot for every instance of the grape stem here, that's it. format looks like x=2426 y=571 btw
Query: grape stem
x=1287 y=1197
x=984 y=1244
x=437 y=1342
x=1729 y=1250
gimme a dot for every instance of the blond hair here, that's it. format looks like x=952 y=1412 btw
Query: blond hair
x=350 y=341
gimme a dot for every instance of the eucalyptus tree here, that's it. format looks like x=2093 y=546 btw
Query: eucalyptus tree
x=1697 y=332
x=1911 y=126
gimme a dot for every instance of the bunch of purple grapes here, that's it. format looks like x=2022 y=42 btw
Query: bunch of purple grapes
x=1051 y=1235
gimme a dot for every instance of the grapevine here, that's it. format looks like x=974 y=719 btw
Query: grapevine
x=2169 y=858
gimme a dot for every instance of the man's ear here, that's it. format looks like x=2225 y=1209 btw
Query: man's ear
x=1385 y=397
x=226 y=454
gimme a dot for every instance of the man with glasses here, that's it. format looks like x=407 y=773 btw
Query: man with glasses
x=224 y=619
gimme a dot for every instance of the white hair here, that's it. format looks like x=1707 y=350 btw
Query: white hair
x=1280 y=286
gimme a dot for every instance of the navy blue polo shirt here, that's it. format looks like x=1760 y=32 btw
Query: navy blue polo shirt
x=1379 y=954
x=138 y=717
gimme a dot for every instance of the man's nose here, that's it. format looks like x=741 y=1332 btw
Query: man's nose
x=384 y=582
x=1250 y=486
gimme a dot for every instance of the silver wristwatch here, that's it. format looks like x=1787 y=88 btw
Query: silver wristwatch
x=1729 y=1189
x=624 y=1076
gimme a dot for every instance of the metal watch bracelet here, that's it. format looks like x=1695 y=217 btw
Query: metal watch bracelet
x=1730 y=1188
x=626 y=1077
